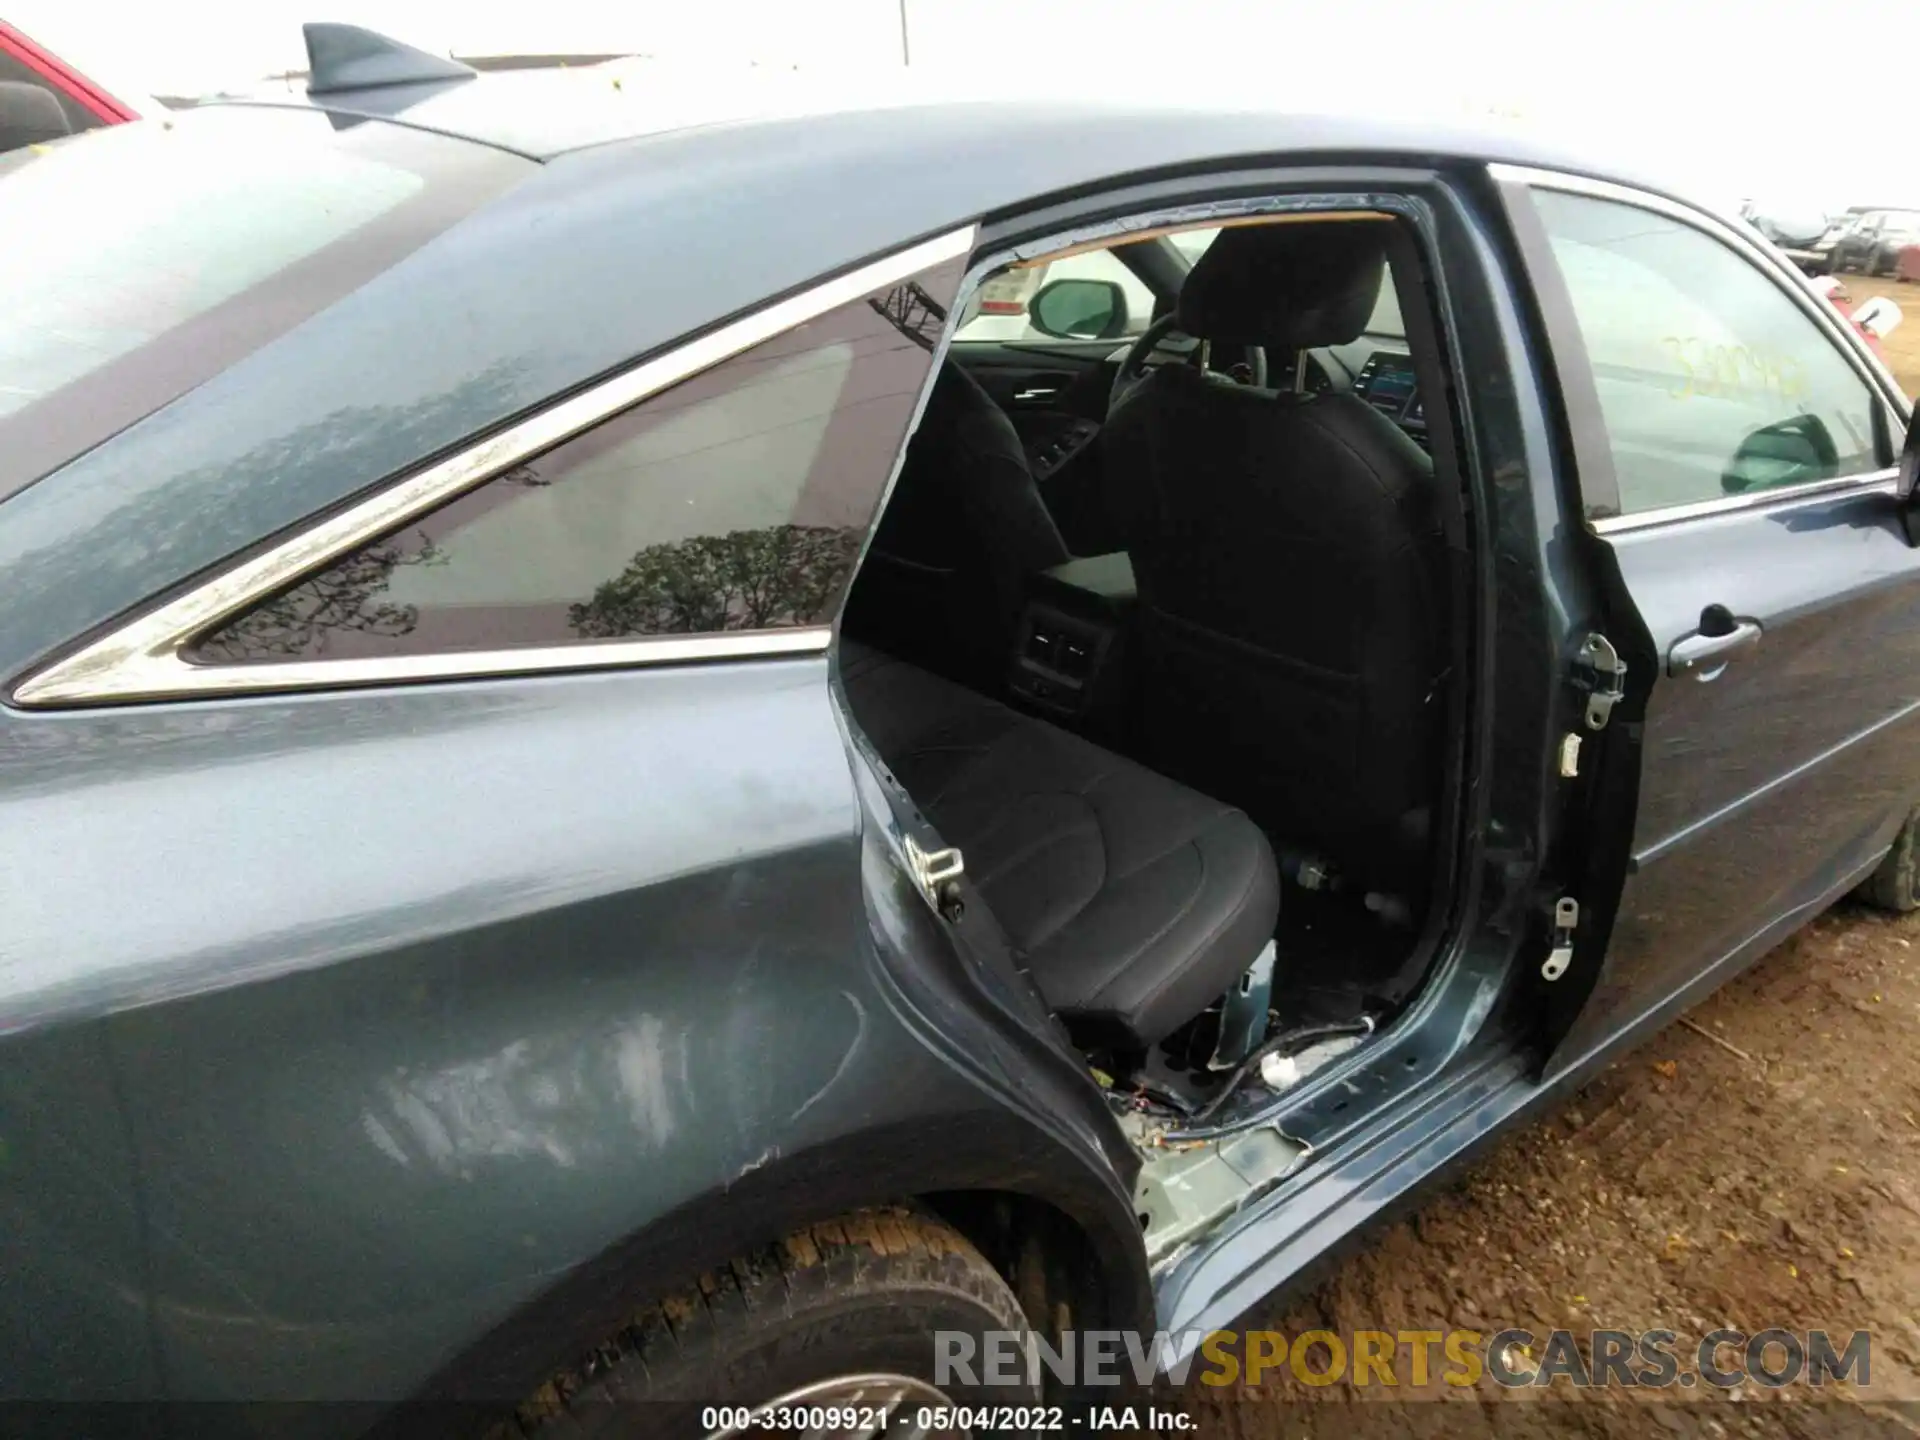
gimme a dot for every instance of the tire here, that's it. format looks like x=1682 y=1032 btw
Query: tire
x=1895 y=886
x=858 y=1296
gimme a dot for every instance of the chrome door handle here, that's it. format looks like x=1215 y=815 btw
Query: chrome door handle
x=1703 y=656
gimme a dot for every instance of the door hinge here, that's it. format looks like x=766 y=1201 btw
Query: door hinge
x=1566 y=919
x=1603 y=675
x=936 y=875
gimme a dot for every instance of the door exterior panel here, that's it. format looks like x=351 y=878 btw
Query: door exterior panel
x=1726 y=428
x=1764 y=787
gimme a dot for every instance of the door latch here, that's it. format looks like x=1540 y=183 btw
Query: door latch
x=936 y=875
x=1566 y=919
x=1607 y=682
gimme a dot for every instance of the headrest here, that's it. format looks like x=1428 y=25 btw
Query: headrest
x=29 y=115
x=1287 y=286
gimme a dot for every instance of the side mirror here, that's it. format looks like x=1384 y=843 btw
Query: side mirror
x=29 y=115
x=1789 y=452
x=1079 y=310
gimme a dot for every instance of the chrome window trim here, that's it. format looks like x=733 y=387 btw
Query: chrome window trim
x=141 y=658
x=1786 y=495
x=1785 y=278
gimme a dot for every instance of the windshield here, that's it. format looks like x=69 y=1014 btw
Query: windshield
x=143 y=259
x=1385 y=320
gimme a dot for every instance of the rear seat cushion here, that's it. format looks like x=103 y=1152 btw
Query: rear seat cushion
x=1134 y=901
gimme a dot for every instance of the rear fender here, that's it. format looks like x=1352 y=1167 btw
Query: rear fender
x=957 y=1164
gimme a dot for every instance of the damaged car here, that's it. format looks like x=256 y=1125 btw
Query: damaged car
x=607 y=811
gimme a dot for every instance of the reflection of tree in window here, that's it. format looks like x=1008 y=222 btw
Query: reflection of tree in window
x=912 y=312
x=743 y=580
x=733 y=500
x=343 y=597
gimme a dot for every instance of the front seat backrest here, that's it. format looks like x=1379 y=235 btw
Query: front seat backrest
x=965 y=527
x=1285 y=550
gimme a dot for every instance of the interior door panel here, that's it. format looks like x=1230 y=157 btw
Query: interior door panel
x=1056 y=394
x=1032 y=379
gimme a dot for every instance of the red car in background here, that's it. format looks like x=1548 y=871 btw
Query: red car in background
x=42 y=97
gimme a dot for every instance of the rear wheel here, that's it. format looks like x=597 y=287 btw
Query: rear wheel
x=839 y=1318
x=1895 y=885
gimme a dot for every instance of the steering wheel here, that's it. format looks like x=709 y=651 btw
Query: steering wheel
x=1133 y=365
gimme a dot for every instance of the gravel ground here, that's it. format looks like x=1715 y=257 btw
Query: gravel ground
x=1688 y=1187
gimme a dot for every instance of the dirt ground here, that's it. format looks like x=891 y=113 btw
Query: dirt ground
x=1903 y=345
x=1688 y=1187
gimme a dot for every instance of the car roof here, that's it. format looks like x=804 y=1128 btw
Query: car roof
x=545 y=113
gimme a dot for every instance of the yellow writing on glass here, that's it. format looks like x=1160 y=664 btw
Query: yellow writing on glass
x=1732 y=372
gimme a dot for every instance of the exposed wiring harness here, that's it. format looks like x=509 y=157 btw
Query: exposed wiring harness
x=1287 y=1040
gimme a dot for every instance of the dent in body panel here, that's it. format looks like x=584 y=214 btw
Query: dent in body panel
x=529 y=1101
x=443 y=1001
x=425 y=1139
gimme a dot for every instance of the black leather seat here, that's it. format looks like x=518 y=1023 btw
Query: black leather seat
x=964 y=528
x=1133 y=901
x=1288 y=556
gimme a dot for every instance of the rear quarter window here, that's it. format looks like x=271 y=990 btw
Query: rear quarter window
x=142 y=259
x=736 y=500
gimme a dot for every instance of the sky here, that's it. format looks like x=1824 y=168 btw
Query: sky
x=1733 y=98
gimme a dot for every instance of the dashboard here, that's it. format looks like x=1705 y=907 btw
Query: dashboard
x=1386 y=381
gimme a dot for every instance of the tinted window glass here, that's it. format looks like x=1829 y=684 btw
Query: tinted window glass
x=141 y=259
x=1712 y=382
x=737 y=500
